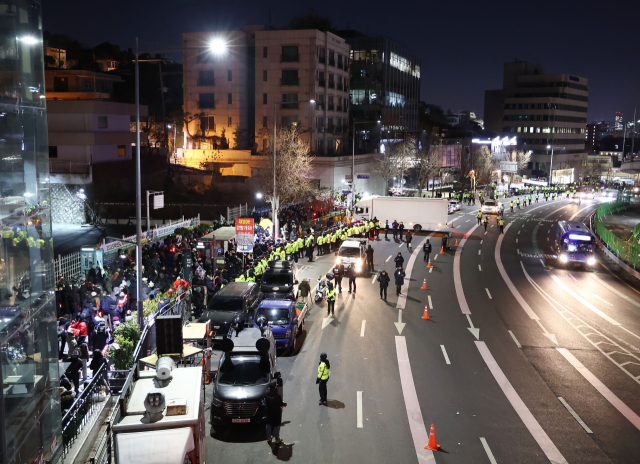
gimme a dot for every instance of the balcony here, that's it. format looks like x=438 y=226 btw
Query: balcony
x=289 y=106
x=330 y=106
x=289 y=58
x=289 y=81
x=206 y=82
x=332 y=85
x=204 y=105
x=322 y=83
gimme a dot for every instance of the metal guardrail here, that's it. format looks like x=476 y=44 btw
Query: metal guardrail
x=82 y=409
x=68 y=167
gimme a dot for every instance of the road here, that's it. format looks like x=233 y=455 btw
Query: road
x=521 y=361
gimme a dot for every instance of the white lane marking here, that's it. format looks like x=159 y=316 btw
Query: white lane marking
x=602 y=388
x=402 y=299
x=411 y=403
x=457 y=281
x=489 y=294
x=435 y=257
x=481 y=242
x=579 y=211
x=359 y=423
x=548 y=232
x=446 y=356
x=479 y=267
x=516 y=240
x=575 y=415
x=326 y=321
x=601 y=299
x=507 y=280
x=617 y=292
x=362 y=328
x=547 y=239
x=584 y=302
x=375 y=276
x=474 y=330
x=515 y=339
x=519 y=232
x=487 y=450
x=538 y=433
x=479 y=252
x=429 y=299
x=401 y=245
x=485 y=233
x=430 y=270
x=571 y=275
x=386 y=260
x=467 y=220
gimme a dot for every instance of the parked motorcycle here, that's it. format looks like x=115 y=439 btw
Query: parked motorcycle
x=321 y=290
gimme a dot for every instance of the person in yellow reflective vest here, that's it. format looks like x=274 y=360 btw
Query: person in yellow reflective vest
x=283 y=255
x=309 y=245
x=331 y=298
x=479 y=216
x=319 y=242
x=241 y=278
x=324 y=369
x=501 y=224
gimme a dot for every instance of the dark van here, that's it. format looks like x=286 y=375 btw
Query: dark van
x=235 y=299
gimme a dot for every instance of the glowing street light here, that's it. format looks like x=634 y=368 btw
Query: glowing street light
x=218 y=46
x=259 y=196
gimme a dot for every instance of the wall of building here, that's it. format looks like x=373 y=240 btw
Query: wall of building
x=331 y=173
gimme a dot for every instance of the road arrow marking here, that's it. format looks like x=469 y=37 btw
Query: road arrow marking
x=327 y=320
x=399 y=325
x=472 y=329
x=546 y=333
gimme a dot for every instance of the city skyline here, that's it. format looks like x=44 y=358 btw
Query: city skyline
x=457 y=67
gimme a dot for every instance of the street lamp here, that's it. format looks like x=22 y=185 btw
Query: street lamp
x=551 y=164
x=218 y=46
x=259 y=196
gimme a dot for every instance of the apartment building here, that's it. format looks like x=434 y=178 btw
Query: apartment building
x=544 y=111
x=237 y=84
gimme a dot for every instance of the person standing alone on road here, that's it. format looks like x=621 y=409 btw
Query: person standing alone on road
x=399 y=260
x=409 y=239
x=324 y=369
x=426 y=249
x=501 y=224
x=384 y=280
x=399 y=276
x=395 y=230
x=401 y=229
x=274 y=412
x=304 y=289
x=352 y=278
x=486 y=222
x=479 y=216
x=331 y=298
x=370 y=258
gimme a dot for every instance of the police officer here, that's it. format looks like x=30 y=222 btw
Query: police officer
x=511 y=204
x=486 y=222
x=320 y=242
x=338 y=273
x=426 y=248
x=331 y=298
x=323 y=377
x=501 y=224
x=479 y=216
x=351 y=272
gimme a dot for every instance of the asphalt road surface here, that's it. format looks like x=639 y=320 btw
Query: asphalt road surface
x=521 y=361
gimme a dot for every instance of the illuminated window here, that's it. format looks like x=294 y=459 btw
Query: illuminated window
x=394 y=99
x=122 y=151
x=546 y=130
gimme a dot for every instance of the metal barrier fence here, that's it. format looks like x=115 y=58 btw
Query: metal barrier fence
x=103 y=452
x=68 y=265
x=82 y=409
x=237 y=212
x=626 y=250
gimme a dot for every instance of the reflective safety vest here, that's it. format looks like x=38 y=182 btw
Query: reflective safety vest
x=323 y=371
x=511 y=204
x=241 y=278
x=283 y=255
x=308 y=242
x=299 y=243
x=486 y=220
x=331 y=295
x=251 y=279
x=320 y=240
x=518 y=201
x=288 y=248
x=333 y=237
x=479 y=214
x=501 y=222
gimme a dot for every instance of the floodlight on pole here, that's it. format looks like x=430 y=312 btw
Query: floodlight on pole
x=218 y=46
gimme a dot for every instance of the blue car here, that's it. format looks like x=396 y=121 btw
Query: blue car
x=286 y=319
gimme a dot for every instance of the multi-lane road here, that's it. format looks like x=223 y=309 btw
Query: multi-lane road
x=521 y=361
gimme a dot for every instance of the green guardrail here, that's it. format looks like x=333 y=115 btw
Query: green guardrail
x=626 y=250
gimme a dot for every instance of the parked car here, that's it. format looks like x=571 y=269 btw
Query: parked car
x=236 y=300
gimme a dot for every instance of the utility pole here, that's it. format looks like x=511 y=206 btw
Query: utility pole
x=138 y=199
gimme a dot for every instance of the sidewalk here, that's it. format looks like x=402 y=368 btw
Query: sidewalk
x=621 y=224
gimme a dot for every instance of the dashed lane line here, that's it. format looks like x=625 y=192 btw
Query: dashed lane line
x=359 y=421
x=601 y=299
x=479 y=252
x=444 y=353
x=575 y=416
x=488 y=294
x=429 y=299
x=479 y=267
x=487 y=450
x=602 y=388
x=364 y=323
x=538 y=433
x=388 y=259
x=515 y=339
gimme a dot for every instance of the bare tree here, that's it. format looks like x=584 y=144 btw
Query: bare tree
x=293 y=170
x=426 y=164
x=386 y=167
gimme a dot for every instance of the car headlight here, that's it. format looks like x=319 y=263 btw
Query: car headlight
x=216 y=402
x=591 y=261
x=358 y=268
x=359 y=262
x=564 y=258
x=338 y=260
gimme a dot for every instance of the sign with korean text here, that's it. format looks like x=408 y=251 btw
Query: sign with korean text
x=244 y=235
x=509 y=166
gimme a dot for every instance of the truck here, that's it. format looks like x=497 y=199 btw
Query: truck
x=163 y=420
x=353 y=253
x=286 y=319
x=415 y=213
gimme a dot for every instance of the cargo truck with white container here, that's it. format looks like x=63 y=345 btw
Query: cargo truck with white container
x=416 y=213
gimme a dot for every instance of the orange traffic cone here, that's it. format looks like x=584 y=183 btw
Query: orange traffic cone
x=425 y=315
x=456 y=242
x=465 y=235
x=424 y=284
x=432 y=445
x=442 y=250
x=429 y=265
x=452 y=225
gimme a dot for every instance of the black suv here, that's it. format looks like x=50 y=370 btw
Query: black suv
x=280 y=280
x=235 y=299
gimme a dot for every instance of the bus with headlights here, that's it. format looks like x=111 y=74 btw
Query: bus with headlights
x=575 y=244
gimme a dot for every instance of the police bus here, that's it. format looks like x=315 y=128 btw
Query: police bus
x=575 y=244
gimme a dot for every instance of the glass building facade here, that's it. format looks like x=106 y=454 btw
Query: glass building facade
x=30 y=416
x=385 y=86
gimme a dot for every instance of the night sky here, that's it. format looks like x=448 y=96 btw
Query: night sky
x=462 y=44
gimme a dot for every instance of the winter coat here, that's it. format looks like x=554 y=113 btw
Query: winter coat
x=399 y=260
x=384 y=280
x=98 y=360
x=304 y=288
x=409 y=237
x=274 y=407
x=399 y=276
x=81 y=327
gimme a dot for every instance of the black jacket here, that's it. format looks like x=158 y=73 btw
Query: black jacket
x=426 y=248
x=274 y=407
x=399 y=276
x=384 y=280
x=399 y=260
x=370 y=254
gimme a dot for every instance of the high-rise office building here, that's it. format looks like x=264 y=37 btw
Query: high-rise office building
x=618 y=122
x=305 y=71
x=385 y=87
x=30 y=415
x=544 y=111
